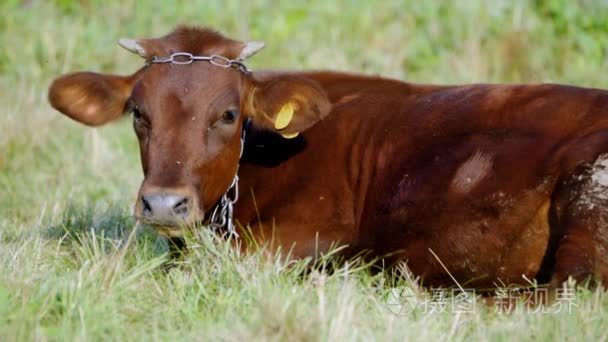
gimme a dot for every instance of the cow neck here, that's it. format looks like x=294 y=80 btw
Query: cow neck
x=222 y=215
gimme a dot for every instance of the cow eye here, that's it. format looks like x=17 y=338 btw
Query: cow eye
x=139 y=121
x=136 y=113
x=229 y=116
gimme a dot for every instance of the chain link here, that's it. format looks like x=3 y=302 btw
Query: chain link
x=184 y=58
x=222 y=215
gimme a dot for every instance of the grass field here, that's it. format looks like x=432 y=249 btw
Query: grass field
x=70 y=267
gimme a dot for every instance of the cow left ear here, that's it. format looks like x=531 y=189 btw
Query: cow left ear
x=287 y=104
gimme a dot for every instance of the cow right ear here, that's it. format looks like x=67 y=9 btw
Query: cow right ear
x=287 y=104
x=91 y=98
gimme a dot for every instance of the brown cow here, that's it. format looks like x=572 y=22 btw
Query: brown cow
x=498 y=181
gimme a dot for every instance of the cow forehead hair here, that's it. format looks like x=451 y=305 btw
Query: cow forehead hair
x=195 y=40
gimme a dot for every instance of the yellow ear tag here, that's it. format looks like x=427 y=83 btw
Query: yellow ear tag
x=284 y=116
x=290 y=135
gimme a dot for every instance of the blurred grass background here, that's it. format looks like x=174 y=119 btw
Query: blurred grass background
x=57 y=176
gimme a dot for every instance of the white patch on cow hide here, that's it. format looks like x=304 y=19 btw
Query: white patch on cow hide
x=471 y=172
x=595 y=188
x=600 y=173
x=592 y=203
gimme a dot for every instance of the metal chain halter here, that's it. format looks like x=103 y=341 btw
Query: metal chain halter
x=183 y=58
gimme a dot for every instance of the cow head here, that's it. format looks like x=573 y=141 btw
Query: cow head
x=189 y=118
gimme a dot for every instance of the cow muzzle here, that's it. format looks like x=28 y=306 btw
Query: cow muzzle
x=168 y=209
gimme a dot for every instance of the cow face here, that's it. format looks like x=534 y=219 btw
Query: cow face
x=189 y=118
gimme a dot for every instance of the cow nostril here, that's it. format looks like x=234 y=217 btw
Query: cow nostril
x=181 y=207
x=147 y=208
